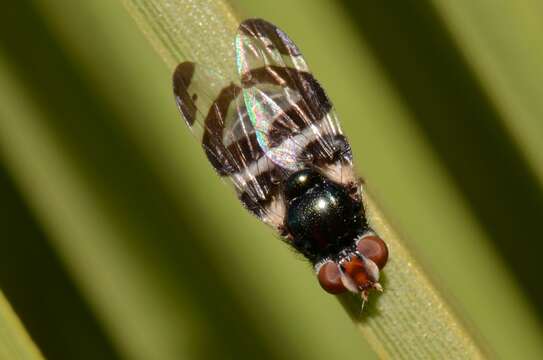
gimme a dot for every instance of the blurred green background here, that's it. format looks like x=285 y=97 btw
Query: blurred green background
x=118 y=241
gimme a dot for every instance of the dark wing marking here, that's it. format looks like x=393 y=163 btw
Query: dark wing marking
x=182 y=78
x=273 y=120
x=228 y=137
x=303 y=130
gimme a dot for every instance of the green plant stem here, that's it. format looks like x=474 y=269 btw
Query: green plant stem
x=409 y=319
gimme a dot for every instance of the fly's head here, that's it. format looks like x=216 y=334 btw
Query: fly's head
x=328 y=226
x=355 y=270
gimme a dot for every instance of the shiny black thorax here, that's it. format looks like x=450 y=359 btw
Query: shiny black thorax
x=322 y=218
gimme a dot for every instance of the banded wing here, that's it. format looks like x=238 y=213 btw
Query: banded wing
x=213 y=107
x=271 y=121
x=294 y=120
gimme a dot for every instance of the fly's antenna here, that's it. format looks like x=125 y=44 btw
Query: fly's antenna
x=364 y=297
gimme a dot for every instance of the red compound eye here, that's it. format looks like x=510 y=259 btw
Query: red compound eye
x=374 y=248
x=330 y=278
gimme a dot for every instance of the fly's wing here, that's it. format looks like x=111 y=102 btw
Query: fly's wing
x=272 y=120
x=294 y=120
x=213 y=107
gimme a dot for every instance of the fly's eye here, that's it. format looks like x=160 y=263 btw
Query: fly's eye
x=301 y=181
x=374 y=248
x=330 y=278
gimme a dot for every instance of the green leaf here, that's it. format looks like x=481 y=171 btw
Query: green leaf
x=178 y=34
x=14 y=341
x=500 y=41
x=170 y=263
x=108 y=168
x=430 y=148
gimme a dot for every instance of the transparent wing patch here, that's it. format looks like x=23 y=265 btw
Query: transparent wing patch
x=264 y=123
x=218 y=118
x=298 y=127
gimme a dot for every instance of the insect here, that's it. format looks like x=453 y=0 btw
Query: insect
x=272 y=131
